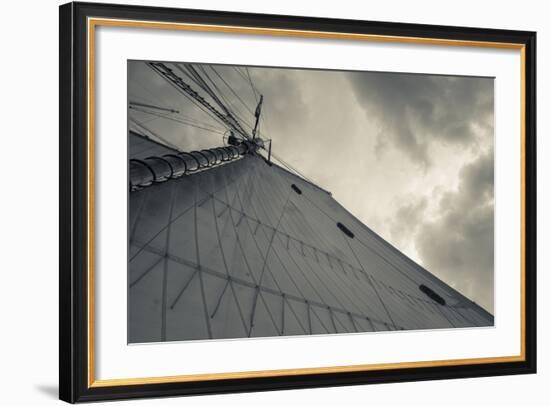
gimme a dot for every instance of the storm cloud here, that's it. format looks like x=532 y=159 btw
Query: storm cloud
x=414 y=111
x=460 y=241
x=456 y=238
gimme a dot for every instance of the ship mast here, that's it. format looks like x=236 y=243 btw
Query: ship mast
x=156 y=169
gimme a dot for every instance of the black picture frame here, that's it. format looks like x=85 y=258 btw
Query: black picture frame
x=74 y=385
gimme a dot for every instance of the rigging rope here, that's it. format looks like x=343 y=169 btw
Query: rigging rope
x=232 y=90
x=163 y=140
x=183 y=87
x=171 y=118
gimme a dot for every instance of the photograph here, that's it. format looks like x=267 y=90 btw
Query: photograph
x=253 y=201
x=283 y=201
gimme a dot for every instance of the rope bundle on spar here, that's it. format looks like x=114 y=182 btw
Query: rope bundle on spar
x=157 y=169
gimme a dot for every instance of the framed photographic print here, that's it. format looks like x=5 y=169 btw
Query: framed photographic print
x=257 y=202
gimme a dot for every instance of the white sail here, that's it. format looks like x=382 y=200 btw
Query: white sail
x=249 y=249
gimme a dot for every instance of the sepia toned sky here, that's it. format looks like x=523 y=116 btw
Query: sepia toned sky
x=410 y=155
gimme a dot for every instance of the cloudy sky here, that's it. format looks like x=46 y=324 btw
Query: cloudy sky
x=409 y=155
